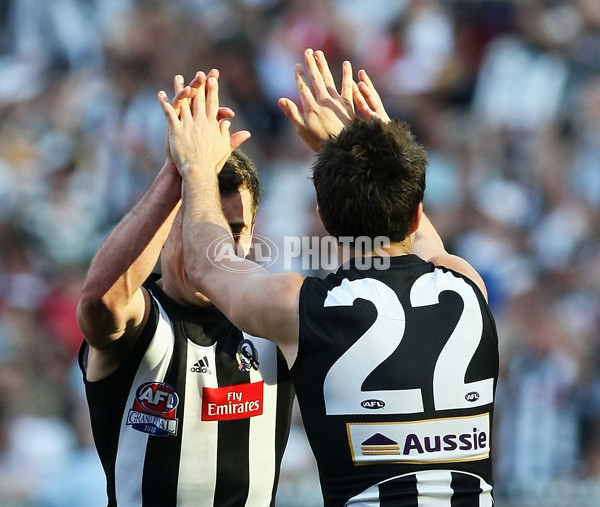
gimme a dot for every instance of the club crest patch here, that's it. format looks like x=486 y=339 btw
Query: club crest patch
x=247 y=356
x=154 y=409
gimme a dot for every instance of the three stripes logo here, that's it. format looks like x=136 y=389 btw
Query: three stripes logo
x=201 y=366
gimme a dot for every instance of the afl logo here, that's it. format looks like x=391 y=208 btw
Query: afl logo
x=372 y=404
x=221 y=253
x=472 y=396
x=154 y=410
x=156 y=398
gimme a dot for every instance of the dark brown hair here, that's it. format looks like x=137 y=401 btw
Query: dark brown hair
x=239 y=172
x=370 y=179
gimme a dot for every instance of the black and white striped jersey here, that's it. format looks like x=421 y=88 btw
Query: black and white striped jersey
x=395 y=378
x=431 y=488
x=199 y=414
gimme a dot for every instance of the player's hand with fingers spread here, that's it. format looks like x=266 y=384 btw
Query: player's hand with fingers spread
x=325 y=111
x=366 y=99
x=198 y=139
x=187 y=93
x=194 y=85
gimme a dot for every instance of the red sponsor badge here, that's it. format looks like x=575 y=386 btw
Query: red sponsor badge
x=232 y=402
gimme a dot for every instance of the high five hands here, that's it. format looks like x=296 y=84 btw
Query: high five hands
x=324 y=111
x=198 y=129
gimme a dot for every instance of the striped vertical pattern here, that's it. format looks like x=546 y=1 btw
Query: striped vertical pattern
x=262 y=452
x=199 y=439
x=431 y=488
x=132 y=444
x=161 y=453
x=223 y=462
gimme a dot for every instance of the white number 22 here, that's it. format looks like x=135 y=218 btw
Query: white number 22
x=343 y=387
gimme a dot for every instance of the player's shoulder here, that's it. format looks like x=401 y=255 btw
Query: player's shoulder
x=461 y=266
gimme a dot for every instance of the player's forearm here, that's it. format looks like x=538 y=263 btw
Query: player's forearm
x=131 y=251
x=206 y=232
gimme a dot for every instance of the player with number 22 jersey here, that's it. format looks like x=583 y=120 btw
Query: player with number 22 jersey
x=431 y=336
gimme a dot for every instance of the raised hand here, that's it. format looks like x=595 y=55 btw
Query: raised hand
x=187 y=93
x=325 y=111
x=197 y=137
x=193 y=87
x=367 y=100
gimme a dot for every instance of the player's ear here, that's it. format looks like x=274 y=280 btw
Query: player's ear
x=417 y=218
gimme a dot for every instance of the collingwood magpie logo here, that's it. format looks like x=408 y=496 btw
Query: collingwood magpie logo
x=247 y=356
x=201 y=366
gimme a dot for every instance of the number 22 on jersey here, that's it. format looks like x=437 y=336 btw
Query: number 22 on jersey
x=342 y=388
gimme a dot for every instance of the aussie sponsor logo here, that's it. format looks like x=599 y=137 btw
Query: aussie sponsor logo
x=429 y=441
x=232 y=402
x=154 y=409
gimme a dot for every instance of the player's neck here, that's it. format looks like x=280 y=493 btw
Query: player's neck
x=380 y=247
x=183 y=295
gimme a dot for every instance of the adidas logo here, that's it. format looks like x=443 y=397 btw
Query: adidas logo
x=201 y=366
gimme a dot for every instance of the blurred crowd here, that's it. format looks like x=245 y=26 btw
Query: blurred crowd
x=505 y=96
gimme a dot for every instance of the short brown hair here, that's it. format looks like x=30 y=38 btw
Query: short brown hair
x=370 y=179
x=239 y=172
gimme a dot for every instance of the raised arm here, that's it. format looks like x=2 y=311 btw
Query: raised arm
x=113 y=307
x=429 y=246
x=255 y=300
